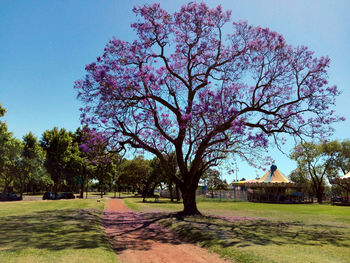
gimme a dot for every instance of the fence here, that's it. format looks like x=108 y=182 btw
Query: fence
x=236 y=194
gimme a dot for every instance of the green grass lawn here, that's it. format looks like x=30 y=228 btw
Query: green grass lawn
x=276 y=232
x=53 y=231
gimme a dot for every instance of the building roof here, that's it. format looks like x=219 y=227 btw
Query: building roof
x=273 y=176
x=244 y=182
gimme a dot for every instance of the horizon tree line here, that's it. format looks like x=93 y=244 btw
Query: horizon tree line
x=64 y=161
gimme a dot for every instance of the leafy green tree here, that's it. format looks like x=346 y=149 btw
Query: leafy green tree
x=75 y=171
x=103 y=172
x=39 y=181
x=57 y=144
x=339 y=164
x=301 y=177
x=10 y=149
x=172 y=175
x=31 y=163
x=340 y=152
x=314 y=164
x=343 y=157
x=115 y=169
x=11 y=159
x=136 y=172
x=156 y=177
x=5 y=136
x=213 y=181
x=79 y=166
x=2 y=111
x=144 y=175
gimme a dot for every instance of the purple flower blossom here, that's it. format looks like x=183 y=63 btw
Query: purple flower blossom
x=183 y=87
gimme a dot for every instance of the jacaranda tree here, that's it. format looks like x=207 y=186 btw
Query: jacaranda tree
x=184 y=86
x=94 y=148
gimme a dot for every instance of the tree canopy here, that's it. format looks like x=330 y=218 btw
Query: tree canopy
x=57 y=144
x=314 y=164
x=184 y=86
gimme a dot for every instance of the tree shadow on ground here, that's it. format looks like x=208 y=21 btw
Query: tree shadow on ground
x=242 y=233
x=53 y=230
x=137 y=231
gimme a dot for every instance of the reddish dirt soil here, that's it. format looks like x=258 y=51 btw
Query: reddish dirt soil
x=137 y=238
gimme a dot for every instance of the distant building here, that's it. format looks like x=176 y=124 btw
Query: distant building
x=275 y=187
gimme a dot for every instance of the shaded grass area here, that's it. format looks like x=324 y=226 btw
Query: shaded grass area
x=53 y=231
x=256 y=232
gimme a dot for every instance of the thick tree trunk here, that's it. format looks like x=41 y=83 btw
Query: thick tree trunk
x=319 y=196
x=21 y=189
x=177 y=193
x=187 y=186
x=87 y=188
x=319 y=193
x=151 y=192
x=82 y=187
x=144 y=195
x=189 y=201
x=171 y=191
x=55 y=187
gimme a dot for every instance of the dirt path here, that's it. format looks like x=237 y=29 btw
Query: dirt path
x=137 y=238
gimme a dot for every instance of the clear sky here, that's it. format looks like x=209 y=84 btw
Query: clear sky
x=45 y=45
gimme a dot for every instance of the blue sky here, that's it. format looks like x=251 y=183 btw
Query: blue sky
x=45 y=45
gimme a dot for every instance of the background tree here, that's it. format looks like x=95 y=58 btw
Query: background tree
x=80 y=163
x=2 y=110
x=95 y=150
x=107 y=172
x=213 y=181
x=136 y=172
x=57 y=144
x=32 y=162
x=11 y=160
x=340 y=151
x=171 y=173
x=300 y=176
x=39 y=181
x=10 y=149
x=313 y=163
x=156 y=177
x=185 y=87
x=114 y=170
x=342 y=158
x=5 y=136
x=339 y=164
